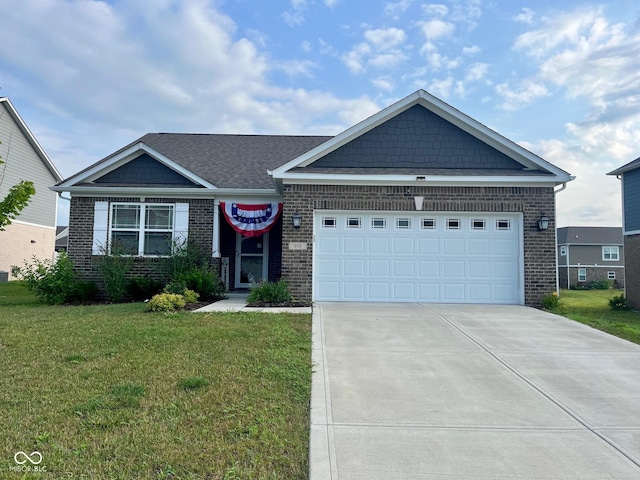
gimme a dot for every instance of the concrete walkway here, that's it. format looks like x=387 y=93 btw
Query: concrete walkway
x=410 y=391
x=236 y=302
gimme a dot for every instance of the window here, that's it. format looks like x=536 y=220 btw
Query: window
x=354 y=222
x=610 y=253
x=611 y=275
x=329 y=222
x=140 y=229
x=378 y=223
x=454 y=224
x=478 y=225
x=582 y=274
x=428 y=224
x=403 y=223
x=503 y=224
x=563 y=250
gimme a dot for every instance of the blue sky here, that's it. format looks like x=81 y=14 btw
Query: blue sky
x=562 y=78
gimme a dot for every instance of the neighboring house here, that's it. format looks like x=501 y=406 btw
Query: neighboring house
x=419 y=202
x=33 y=232
x=590 y=254
x=629 y=175
x=62 y=238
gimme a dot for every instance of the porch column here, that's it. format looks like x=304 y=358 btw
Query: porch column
x=216 y=229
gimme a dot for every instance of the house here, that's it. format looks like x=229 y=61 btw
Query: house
x=629 y=175
x=590 y=254
x=33 y=231
x=62 y=238
x=418 y=202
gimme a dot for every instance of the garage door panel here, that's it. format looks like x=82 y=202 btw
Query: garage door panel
x=418 y=256
x=353 y=267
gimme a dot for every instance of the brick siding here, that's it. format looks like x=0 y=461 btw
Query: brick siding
x=632 y=270
x=539 y=247
x=593 y=274
x=20 y=242
x=81 y=236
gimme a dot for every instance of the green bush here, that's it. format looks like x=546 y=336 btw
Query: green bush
x=618 y=302
x=83 y=292
x=190 y=296
x=203 y=281
x=551 y=302
x=270 y=292
x=50 y=281
x=184 y=259
x=166 y=302
x=601 y=284
x=113 y=268
x=143 y=288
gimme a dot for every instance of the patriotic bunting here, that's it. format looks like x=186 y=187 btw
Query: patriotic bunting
x=251 y=220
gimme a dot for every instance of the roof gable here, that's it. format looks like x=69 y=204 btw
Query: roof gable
x=145 y=171
x=531 y=163
x=31 y=138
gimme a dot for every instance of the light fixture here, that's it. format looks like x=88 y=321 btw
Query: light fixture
x=543 y=223
x=296 y=218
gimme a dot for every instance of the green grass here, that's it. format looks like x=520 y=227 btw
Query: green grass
x=112 y=391
x=591 y=307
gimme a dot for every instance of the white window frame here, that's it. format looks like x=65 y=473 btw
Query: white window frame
x=612 y=251
x=449 y=224
x=481 y=221
x=563 y=250
x=353 y=222
x=582 y=274
x=333 y=220
x=424 y=221
x=142 y=228
x=611 y=275
x=382 y=223
x=503 y=224
x=403 y=219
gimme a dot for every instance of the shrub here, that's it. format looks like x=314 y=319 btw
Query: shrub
x=203 y=281
x=83 y=292
x=184 y=259
x=601 y=284
x=270 y=292
x=50 y=281
x=618 y=302
x=166 y=302
x=143 y=288
x=551 y=302
x=190 y=296
x=113 y=268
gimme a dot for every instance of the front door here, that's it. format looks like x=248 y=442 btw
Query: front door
x=251 y=259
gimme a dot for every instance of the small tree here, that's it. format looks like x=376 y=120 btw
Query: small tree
x=15 y=201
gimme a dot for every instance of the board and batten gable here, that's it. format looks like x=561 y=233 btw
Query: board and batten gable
x=631 y=200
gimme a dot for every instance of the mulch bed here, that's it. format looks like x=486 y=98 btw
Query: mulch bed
x=284 y=304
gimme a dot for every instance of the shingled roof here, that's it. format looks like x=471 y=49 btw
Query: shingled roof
x=625 y=168
x=226 y=161
x=590 y=236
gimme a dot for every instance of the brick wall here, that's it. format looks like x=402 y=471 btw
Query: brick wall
x=81 y=235
x=20 y=242
x=539 y=247
x=593 y=274
x=632 y=270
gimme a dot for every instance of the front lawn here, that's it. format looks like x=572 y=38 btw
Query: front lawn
x=111 y=391
x=591 y=307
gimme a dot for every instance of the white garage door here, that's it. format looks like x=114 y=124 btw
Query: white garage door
x=417 y=257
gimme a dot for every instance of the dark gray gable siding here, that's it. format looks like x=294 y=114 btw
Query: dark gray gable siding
x=145 y=170
x=417 y=139
x=631 y=189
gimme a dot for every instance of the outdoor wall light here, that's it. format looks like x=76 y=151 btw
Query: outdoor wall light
x=296 y=219
x=543 y=223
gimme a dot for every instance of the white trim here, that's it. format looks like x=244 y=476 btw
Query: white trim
x=446 y=112
x=33 y=224
x=100 y=227
x=215 y=253
x=632 y=232
x=265 y=259
x=124 y=157
x=170 y=192
x=588 y=265
x=430 y=180
x=31 y=138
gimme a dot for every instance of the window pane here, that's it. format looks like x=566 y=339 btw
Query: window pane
x=429 y=223
x=126 y=216
x=157 y=243
x=159 y=217
x=503 y=224
x=403 y=223
x=478 y=224
x=329 y=222
x=125 y=243
x=611 y=275
x=354 y=222
x=453 y=224
x=378 y=223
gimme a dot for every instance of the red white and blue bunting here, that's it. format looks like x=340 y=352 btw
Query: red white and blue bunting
x=251 y=220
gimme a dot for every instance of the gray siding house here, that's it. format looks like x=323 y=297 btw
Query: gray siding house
x=419 y=202
x=33 y=232
x=629 y=175
x=590 y=254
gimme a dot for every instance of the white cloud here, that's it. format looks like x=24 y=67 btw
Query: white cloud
x=295 y=16
x=476 y=72
x=435 y=10
x=305 y=46
x=526 y=16
x=383 y=49
x=397 y=9
x=524 y=94
x=472 y=50
x=384 y=83
x=436 y=29
x=331 y=3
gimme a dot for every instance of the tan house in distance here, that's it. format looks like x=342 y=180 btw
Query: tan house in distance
x=33 y=232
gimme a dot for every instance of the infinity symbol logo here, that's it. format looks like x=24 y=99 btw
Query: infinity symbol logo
x=29 y=458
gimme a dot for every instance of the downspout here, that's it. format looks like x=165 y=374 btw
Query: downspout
x=555 y=233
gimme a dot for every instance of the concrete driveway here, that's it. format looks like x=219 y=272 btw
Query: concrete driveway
x=414 y=391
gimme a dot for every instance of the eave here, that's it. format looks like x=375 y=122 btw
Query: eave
x=159 y=192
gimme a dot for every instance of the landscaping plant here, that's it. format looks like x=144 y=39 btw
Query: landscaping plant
x=270 y=292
